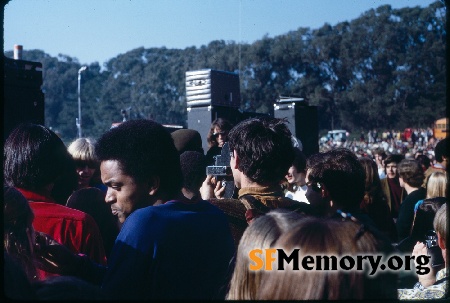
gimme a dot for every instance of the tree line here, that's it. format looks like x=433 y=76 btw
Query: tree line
x=385 y=69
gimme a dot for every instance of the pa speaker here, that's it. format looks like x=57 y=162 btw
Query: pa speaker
x=303 y=124
x=23 y=98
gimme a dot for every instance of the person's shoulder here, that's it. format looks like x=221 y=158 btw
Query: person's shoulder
x=231 y=207
x=44 y=209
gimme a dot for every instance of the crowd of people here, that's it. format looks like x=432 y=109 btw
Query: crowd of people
x=415 y=141
x=134 y=215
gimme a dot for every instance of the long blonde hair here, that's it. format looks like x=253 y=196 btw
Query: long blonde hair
x=437 y=184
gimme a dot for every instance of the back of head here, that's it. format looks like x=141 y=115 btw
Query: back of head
x=423 y=219
x=17 y=225
x=187 y=140
x=342 y=174
x=262 y=233
x=34 y=157
x=371 y=172
x=440 y=222
x=441 y=150
x=143 y=149
x=437 y=184
x=324 y=237
x=193 y=168
x=373 y=189
x=424 y=161
x=411 y=172
x=264 y=147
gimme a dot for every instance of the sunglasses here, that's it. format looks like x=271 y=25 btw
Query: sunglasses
x=219 y=133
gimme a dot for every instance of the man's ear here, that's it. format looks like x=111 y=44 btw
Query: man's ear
x=235 y=160
x=324 y=191
x=441 y=241
x=153 y=185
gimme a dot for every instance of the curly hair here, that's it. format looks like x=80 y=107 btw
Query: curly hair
x=342 y=174
x=144 y=149
x=264 y=147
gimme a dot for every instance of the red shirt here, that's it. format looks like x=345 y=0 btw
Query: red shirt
x=73 y=228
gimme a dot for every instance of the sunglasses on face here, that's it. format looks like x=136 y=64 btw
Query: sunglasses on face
x=219 y=133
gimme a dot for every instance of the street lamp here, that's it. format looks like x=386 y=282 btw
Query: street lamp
x=78 y=120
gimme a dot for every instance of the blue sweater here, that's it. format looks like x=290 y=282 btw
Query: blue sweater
x=171 y=251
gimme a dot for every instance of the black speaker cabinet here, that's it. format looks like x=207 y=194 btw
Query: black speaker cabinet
x=200 y=119
x=303 y=124
x=23 y=100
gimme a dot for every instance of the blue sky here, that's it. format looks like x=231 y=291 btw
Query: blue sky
x=98 y=30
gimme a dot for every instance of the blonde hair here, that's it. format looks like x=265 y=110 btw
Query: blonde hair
x=325 y=237
x=440 y=222
x=82 y=149
x=261 y=234
x=437 y=184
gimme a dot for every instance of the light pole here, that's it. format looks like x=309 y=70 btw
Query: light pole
x=78 y=120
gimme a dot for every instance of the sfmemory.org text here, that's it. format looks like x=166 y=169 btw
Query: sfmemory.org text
x=264 y=259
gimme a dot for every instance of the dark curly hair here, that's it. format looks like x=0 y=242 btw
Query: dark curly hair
x=264 y=147
x=144 y=149
x=342 y=174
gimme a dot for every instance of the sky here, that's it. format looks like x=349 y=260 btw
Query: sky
x=98 y=30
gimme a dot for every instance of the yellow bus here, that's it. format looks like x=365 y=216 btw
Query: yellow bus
x=440 y=128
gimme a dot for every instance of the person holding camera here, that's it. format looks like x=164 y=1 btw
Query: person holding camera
x=261 y=152
x=431 y=285
x=217 y=136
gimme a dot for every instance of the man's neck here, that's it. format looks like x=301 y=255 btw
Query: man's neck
x=409 y=189
x=246 y=182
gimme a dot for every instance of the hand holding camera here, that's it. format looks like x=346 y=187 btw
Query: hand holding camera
x=433 y=249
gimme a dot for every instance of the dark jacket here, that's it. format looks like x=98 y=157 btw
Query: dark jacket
x=406 y=212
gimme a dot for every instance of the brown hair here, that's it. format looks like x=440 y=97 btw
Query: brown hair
x=17 y=228
x=262 y=233
x=411 y=172
x=315 y=236
x=224 y=126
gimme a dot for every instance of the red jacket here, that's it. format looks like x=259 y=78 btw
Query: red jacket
x=73 y=228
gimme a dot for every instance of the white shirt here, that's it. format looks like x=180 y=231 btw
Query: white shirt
x=299 y=194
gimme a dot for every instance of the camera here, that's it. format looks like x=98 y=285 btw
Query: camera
x=221 y=170
x=433 y=250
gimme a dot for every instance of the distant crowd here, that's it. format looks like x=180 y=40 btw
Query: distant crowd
x=142 y=213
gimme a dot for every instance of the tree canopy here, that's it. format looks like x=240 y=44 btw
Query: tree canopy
x=385 y=69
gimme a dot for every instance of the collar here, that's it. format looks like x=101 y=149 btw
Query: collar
x=32 y=196
x=261 y=191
